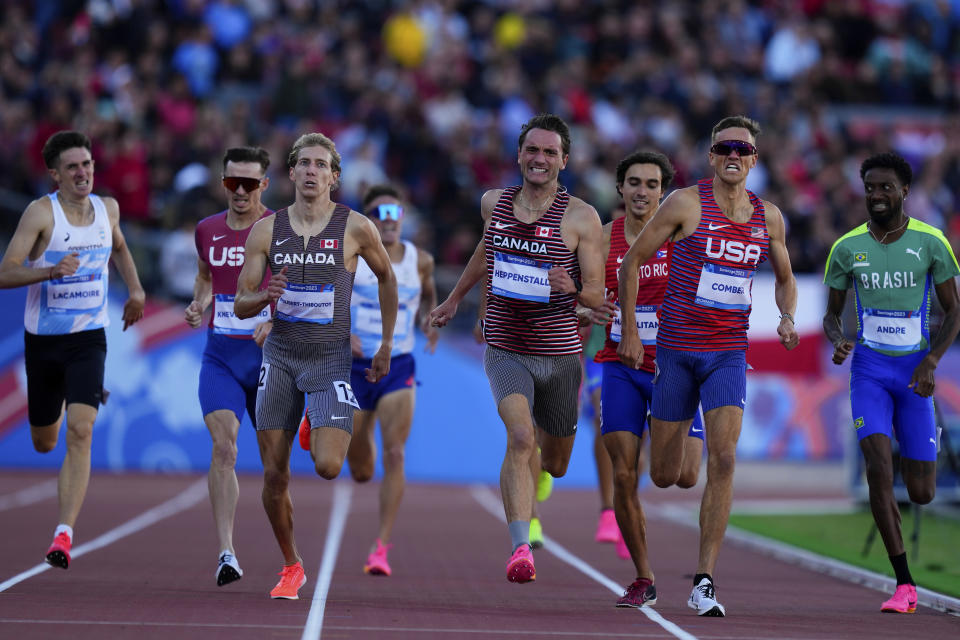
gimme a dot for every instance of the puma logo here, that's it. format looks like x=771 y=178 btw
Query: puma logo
x=915 y=252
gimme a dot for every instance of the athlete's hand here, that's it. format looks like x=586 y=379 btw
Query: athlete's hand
x=432 y=335
x=841 y=351
x=788 y=334
x=380 y=366
x=561 y=281
x=444 y=313
x=630 y=350
x=193 y=314
x=133 y=308
x=922 y=381
x=277 y=285
x=67 y=266
x=261 y=331
x=356 y=346
x=603 y=315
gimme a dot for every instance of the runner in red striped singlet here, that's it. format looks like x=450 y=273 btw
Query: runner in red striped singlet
x=541 y=254
x=721 y=232
x=312 y=248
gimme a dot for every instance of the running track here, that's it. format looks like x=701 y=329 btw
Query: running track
x=145 y=557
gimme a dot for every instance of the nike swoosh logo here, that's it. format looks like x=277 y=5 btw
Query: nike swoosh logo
x=280 y=242
x=692 y=430
x=714 y=227
x=619 y=259
x=215 y=238
x=500 y=225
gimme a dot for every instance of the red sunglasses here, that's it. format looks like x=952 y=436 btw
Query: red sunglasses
x=727 y=147
x=234 y=182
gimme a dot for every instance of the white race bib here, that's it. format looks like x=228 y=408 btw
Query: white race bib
x=892 y=330
x=368 y=320
x=723 y=287
x=520 y=277
x=306 y=303
x=227 y=323
x=647 y=324
x=76 y=292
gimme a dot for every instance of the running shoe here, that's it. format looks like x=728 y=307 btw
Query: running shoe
x=58 y=555
x=520 y=566
x=703 y=598
x=904 y=600
x=291 y=579
x=304 y=433
x=377 y=564
x=536 y=533
x=228 y=569
x=622 y=550
x=544 y=485
x=607 y=528
x=641 y=593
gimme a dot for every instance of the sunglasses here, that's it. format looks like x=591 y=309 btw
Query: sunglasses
x=233 y=183
x=727 y=147
x=388 y=212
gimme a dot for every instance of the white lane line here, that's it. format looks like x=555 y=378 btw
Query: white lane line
x=29 y=495
x=189 y=497
x=492 y=504
x=342 y=491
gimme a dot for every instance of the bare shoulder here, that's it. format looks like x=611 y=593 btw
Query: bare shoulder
x=424 y=259
x=684 y=198
x=607 y=231
x=262 y=230
x=112 y=207
x=774 y=219
x=39 y=210
x=579 y=208
x=359 y=226
x=488 y=201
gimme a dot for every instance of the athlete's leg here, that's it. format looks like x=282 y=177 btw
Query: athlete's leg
x=555 y=453
x=601 y=456
x=362 y=453
x=723 y=430
x=222 y=476
x=692 y=457
x=274 y=447
x=920 y=478
x=395 y=413
x=75 y=471
x=624 y=452
x=878 y=460
x=666 y=450
x=516 y=482
x=328 y=448
x=45 y=436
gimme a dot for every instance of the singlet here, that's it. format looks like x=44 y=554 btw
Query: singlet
x=316 y=304
x=523 y=314
x=365 y=304
x=77 y=302
x=892 y=283
x=709 y=296
x=653 y=276
x=222 y=248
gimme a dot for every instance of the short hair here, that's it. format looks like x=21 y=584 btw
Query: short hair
x=60 y=142
x=740 y=122
x=377 y=190
x=888 y=160
x=667 y=172
x=548 y=122
x=247 y=154
x=314 y=140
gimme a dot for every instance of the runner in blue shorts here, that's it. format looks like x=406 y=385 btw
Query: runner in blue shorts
x=893 y=263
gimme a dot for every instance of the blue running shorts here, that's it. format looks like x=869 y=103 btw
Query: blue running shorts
x=402 y=375
x=883 y=403
x=228 y=375
x=684 y=378
x=625 y=397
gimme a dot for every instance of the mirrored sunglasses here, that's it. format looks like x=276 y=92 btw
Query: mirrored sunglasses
x=234 y=182
x=727 y=147
x=388 y=212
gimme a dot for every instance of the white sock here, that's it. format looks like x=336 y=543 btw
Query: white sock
x=228 y=551
x=63 y=528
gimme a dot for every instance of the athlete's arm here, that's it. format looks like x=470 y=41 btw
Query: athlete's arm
x=581 y=225
x=30 y=238
x=202 y=294
x=922 y=380
x=371 y=249
x=833 y=326
x=250 y=300
x=123 y=261
x=603 y=314
x=428 y=299
x=785 y=284
x=475 y=270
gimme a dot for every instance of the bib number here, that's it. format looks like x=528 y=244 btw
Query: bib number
x=75 y=292
x=892 y=330
x=227 y=323
x=647 y=324
x=723 y=287
x=345 y=393
x=520 y=277
x=306 y=303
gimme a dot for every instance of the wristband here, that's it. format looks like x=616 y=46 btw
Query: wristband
x=788 y=316
x=50 y=274
x=578 y=285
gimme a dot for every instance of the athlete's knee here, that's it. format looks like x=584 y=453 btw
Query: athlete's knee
x=688 y=478
x=662 y=476
x=394 y=456
x=625 y=480
x=224 y=453
x=879 y=473
x=361 y=471
x=921 y=494
x=43 y=442
x=328 y=467
x=521 y=441
x=275 y=480
x=721 y=464
x=555 y=467
x=79 y=432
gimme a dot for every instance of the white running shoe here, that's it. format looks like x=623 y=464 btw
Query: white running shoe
x=228 y=569
x=703 y=598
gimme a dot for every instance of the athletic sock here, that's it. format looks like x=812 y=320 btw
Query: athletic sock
x=700 y=576
x=901 y=570
x=519 y=533
x=63 y=528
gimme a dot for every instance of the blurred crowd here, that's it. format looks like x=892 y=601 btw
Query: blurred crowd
x=430 y=94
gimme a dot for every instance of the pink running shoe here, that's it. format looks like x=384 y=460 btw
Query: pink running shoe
x=377 y=564
x=904 y=600
x=622 y=549
x=640 y=593
x=520 y=566
x=607 y=529
x=58 y=555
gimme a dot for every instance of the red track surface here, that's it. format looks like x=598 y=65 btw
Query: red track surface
x=448 y=574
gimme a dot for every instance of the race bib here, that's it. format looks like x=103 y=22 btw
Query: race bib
x=520 y=277
x=76 y=292
x=369 y=321
x=306 y=303
x=647 y=324
x=892 y=330
x=225 y=322
x=723 y=287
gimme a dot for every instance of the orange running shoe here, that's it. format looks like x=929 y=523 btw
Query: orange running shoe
x=305 y=433
x=58 y=555
x=291 y=579
x=377 y=564
x=520 y=566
